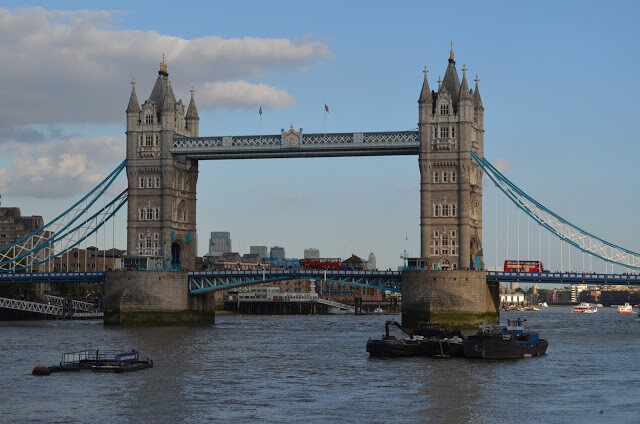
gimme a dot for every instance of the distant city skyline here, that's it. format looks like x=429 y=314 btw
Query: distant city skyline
x=554 y=123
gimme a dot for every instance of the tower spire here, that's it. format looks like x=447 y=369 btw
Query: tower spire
x=451 y=53
x=163 y=67
x=464 y=87
x=425 y=93
x=134 y=106
x=476 y=94
x=192 y=111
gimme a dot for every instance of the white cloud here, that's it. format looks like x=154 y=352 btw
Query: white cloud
x=74 y=66
x=242 y=94
x=62 y=169
x=502 y=165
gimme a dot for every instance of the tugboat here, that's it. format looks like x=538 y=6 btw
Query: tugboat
x=427 y=340
x=510 y=342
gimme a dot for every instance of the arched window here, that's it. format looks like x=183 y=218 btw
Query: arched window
x=142 y=214
x=436 y=211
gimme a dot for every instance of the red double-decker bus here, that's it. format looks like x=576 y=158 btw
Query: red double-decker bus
x=322 y=263
x=522 y=266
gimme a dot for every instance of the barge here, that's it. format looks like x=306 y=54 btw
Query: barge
x=98 y=361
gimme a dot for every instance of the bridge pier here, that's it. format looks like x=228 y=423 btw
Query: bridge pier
x=461 y=299
x=154 y=298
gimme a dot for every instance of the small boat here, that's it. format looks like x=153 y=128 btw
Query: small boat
x=599 y=305
x=592 y=309
x=625 y=309
x=510 y=342
x=430 y=340
x=581 y=307
x=543 y=304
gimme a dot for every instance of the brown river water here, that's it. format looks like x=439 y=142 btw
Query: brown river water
x=314 y=369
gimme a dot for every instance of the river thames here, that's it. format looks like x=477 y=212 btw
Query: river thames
x=314 y=369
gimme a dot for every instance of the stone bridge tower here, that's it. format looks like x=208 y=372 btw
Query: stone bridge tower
x=161 y=222
x=451 y=125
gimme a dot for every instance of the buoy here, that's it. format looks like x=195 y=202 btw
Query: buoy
x=41 y=370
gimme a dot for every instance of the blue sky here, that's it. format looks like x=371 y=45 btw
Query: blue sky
x=558 y=82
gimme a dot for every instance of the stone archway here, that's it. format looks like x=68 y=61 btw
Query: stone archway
x=176 y=257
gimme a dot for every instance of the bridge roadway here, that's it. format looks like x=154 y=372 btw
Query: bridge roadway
x=200 y=282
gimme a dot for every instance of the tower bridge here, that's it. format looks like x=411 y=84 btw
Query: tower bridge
x=163 y=151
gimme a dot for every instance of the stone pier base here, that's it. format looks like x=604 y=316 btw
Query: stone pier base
x=460 y=299
x=154 y=298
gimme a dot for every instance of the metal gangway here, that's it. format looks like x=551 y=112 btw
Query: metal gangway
x=23 y=305
x=338 y=305
x=49 y=308
x=76 y=305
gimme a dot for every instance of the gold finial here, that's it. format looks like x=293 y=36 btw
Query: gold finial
x=451 y=51
x=292 y=129
x=163 y=66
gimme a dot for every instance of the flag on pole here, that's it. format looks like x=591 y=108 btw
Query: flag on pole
x=260 y=110
x=326 y=108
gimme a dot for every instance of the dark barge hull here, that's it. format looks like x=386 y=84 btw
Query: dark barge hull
x=393 y=348
x=495 y=347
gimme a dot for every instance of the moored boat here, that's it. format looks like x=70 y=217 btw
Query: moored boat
x=427 y=340
x=510 y=342
x=625 y=309
x=99 y=360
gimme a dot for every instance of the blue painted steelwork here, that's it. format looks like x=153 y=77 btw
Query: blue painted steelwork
x=50 y=277
x=105 y=214
x=557 y=225
x=202 y=282
x=65 y=231
x=564 y=278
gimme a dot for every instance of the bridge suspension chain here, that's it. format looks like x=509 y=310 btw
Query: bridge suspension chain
x=64 y=232
x=559 y=226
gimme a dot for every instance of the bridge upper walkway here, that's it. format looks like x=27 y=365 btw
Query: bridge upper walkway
x=296 y=144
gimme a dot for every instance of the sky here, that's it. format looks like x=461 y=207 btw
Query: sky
x=558 y=81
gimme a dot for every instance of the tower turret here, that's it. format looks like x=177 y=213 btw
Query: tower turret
x=193 y=120
x=133 y=109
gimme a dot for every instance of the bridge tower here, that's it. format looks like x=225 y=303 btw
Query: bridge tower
x=161 y=222
x=456 y=292
x=451 y=124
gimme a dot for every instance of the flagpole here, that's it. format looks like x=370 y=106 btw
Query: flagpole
x=325 y=119
x=260 y=114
